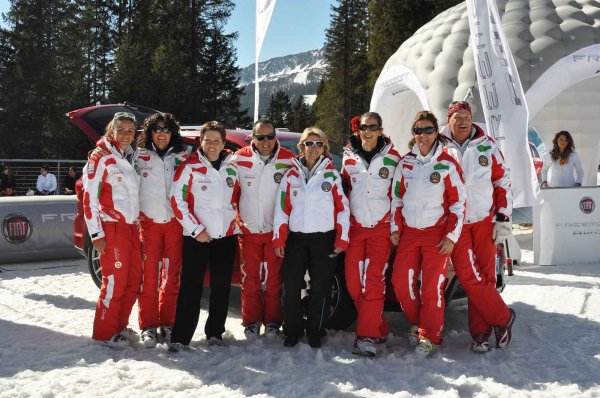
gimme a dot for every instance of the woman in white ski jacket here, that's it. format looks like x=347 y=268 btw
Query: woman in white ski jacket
x=204 y=196
x=428 y=206
x=369 y=164
x=309 y=231
x=111 y=209
x=160 y=153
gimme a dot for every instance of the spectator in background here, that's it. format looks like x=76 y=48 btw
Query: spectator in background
x=8 y=184
x=46 y=182
x=70 y=179
x=562 y=161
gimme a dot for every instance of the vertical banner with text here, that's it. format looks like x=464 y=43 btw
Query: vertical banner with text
x=264 y=11
x=502 y=98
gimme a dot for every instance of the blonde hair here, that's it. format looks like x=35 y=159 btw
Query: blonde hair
x=313 y=131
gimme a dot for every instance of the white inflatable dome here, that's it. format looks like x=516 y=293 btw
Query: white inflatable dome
x=555 y=45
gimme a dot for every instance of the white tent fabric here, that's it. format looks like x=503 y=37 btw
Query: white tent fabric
x=540 y=33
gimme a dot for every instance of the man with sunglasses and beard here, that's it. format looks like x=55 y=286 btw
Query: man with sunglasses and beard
x=369 y=164
x=487 y=223
x=261 y=167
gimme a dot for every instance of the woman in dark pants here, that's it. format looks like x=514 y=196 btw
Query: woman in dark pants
x=310 y=230
x=204 y=197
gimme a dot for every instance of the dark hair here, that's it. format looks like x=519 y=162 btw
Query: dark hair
x=261 y=121
x=46 y=167
x=555 y=152
x=213 y=126
x=425 y=115
x=372 y=115
x=145 y=138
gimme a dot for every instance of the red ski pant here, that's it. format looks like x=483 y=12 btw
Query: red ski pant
x=261 y=279
x=366 y=263
x=419 y=255
x=474 y=261
x=121 y=266
x=162 y=248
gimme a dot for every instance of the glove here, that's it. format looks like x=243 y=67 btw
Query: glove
x=502 y=230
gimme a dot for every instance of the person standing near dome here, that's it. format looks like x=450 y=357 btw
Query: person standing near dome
x=561 y=162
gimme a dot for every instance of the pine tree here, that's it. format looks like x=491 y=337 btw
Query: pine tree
x=279 y=110
x=345 y=92
x=301 y=116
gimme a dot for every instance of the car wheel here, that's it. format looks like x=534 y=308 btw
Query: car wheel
x=342 y=312
x=93 y=258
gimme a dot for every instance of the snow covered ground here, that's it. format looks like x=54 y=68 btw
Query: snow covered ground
x=46 y=313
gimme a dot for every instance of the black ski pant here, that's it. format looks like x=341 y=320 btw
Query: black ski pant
x=218 y=255
x=307 y=251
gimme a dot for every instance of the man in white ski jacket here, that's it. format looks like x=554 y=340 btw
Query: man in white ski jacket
x=487 y=223
x=261 y=166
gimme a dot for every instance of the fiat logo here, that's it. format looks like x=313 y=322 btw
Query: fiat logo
x=16 y=228
x=587 y=205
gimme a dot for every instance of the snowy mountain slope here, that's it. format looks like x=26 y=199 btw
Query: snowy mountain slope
x=296 y=74
x=46 y=317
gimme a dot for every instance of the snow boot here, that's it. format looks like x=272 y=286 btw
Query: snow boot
x=480 y=343
x=149 y=339
x=504 y=333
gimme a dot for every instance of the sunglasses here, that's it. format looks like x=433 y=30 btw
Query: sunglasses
x=162 y=130
x=318 y=144
x=365 y=127
x=426 y=130
x=261 y=137
x=124 y=116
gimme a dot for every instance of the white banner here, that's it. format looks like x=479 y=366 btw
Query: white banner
x=264 y=11
x=566 y=227
x=397 y=97
x=502 y=97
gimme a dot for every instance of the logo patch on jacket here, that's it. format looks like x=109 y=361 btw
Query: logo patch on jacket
x=229 y=181
x=435 y=177
x=384 y=172
x=277 y=177
x=483 y=160
x=326 y=186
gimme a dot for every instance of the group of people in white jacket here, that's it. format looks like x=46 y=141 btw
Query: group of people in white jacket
x=293 y=215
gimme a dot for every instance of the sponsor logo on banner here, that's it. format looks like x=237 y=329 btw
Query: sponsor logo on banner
x=326 y=186
x=435 y=177
x=277 y=177
x=16 y=228
x=384 y=172
x=587 y=205
x=483 y=160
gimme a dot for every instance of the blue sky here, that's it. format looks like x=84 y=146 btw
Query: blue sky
x=296 y=26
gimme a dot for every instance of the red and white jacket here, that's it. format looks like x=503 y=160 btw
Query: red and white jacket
x=204 y=198
x=314 y=203
x=111 y=189
x=259 y=183
x=369 y=185
x=487 y=178
x=156 y=176
x=429 y=194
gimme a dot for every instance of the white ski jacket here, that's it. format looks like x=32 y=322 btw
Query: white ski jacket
x=369 y=185
x=259 y=183
x=204 y=198
x=111 y=189
x=314 y=203
x=429 y=194
x=487 y=177
x=156 y=176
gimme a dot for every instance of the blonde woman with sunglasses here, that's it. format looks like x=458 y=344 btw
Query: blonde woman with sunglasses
x=310 y=230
